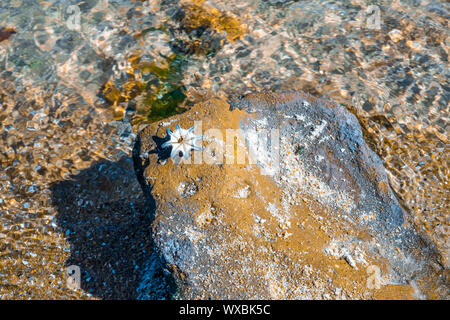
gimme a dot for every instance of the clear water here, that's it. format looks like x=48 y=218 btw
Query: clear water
x=387 y=61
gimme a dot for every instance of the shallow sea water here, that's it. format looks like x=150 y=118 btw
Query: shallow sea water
x=387 y=61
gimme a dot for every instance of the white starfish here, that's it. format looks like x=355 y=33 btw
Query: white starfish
x=182 y=142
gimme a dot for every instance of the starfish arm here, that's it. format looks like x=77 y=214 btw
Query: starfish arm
x=176 y=135
x=187 y=151
x=169 y=132
x=174 y=152
x=196 y=148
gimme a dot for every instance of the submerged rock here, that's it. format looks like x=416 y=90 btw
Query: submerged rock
x=308 y=214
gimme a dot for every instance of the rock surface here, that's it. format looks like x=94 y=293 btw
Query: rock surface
x=322 y=224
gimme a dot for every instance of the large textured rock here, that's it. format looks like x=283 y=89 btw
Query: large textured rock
x=317 y=221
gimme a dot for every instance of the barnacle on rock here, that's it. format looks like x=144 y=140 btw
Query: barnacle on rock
x=182 y=142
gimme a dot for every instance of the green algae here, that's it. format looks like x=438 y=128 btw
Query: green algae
x=157 y=90
x=165 y=91
x=166 y=105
